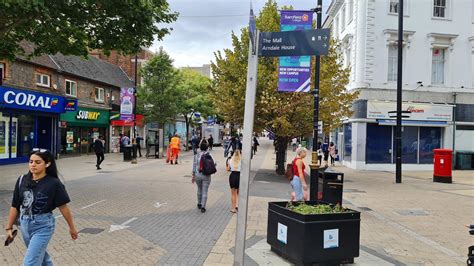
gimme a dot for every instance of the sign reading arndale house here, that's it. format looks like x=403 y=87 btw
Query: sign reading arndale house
x=35 y=101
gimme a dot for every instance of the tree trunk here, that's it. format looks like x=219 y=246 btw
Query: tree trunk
x=186 y=121
x=281 y=146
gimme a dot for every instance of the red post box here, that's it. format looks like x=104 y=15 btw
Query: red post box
x=443 y=164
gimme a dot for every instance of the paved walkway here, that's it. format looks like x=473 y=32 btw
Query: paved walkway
x=417 y=222
x=145 y=214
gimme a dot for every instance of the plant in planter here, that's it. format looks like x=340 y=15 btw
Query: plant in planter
x=313 y=232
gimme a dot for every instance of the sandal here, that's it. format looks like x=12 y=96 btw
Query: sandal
x=233 y=211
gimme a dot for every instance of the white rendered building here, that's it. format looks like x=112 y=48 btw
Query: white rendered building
x=438 y=83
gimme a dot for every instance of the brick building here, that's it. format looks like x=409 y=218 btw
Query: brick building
x=56 y=102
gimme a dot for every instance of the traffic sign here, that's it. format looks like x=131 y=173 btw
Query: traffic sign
x=294 y=43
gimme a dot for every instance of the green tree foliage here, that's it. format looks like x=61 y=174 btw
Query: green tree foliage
x=193 y=90
x=73 y=27
x=288 y=115
x=158 y=97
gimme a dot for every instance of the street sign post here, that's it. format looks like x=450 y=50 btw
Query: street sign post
x=294 y=43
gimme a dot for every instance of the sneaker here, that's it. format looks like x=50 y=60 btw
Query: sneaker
x=203 y=210
x=199 y=206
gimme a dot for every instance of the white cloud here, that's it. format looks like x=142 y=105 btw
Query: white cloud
x=204 y=27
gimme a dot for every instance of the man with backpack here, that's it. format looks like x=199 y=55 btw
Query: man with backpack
x=203 y=167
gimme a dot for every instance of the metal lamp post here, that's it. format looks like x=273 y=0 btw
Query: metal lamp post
x=313 y=193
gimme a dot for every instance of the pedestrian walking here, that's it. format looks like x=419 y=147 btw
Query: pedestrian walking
x=36 y=195
x=233 y=166
x=203 y=167
x=139 y=144
x=175 y=148
x=120 y=143
x=255 y=144
x=210 y=141
x=226 y=143
x=125 y=140
x=320 y=153
x=298 y=183
x=332 y=153
x=99 y=149
x=195 y=143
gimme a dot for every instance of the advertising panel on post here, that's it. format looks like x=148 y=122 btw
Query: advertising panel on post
x=294 y=73
x=127 y=100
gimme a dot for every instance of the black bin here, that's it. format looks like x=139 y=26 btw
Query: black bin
x=333 y=182
x=127 y=153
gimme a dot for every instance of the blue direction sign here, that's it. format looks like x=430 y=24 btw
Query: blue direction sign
x=294 y=43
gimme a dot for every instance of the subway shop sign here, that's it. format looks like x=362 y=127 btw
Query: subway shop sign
x=35 y=101
x=87 y=115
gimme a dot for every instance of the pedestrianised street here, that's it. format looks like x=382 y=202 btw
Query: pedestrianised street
x=146 y=214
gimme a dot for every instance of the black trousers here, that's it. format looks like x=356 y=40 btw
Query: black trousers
x=139 y=148
x=100 y=157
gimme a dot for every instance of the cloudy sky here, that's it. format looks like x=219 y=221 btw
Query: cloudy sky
x=204 y=26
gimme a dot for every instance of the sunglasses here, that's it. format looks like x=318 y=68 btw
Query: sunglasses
x=9 y=239
x=40 y=150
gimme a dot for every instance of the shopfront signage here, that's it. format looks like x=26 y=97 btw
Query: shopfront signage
x=417 y=111
x=87 y=115
x=35 y=101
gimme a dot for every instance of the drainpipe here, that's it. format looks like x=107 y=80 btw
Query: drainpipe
x=454 y=130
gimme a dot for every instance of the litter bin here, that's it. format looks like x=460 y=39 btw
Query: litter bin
x=332 y=186
x=443 y=165
x=127 y=153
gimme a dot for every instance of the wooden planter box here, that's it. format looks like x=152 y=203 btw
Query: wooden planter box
x=306 y=239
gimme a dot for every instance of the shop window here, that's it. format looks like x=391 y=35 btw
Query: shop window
x=347 y=142
x=99 y=95
x=379 y=144
x=43 y=80
x=71 y=88
x=430 y=138
x=409 y=144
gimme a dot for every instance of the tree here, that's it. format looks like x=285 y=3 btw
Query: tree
x=158 y=96
x=193 y=91
x=74 y=27
x=287 y=115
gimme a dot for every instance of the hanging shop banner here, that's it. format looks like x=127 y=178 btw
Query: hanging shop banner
x=127 y=100
x=294 y=74
x=418 y=111
x=35 y=101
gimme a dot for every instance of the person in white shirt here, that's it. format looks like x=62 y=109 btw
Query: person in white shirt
x=234 y=178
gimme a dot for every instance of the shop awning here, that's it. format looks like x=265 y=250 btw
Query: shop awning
x=115 y=121
x=393 y=122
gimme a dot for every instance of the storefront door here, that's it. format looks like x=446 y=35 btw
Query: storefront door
x=45 y=135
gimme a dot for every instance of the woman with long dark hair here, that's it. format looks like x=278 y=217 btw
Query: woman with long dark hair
x=35 y=196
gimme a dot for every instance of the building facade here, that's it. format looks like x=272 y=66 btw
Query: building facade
x=55 y=102
x=438 y=84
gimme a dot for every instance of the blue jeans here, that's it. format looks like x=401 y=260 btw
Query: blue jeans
x=298 y=188
x=37 y=230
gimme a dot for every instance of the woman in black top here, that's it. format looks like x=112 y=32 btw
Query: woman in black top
x=36 y=195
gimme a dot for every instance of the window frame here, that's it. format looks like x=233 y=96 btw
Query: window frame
x=65 y=87
x=96 y=90
x=343 y=18
x=444 y=60
x=41 y=84
x=350 y=11
x=406 y=8
x=395 y=59
x=3 y=70
x=447 y=10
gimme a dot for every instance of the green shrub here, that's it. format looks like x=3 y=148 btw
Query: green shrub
x=304 y=208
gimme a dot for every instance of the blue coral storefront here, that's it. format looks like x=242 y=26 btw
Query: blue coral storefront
x=28 y=120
